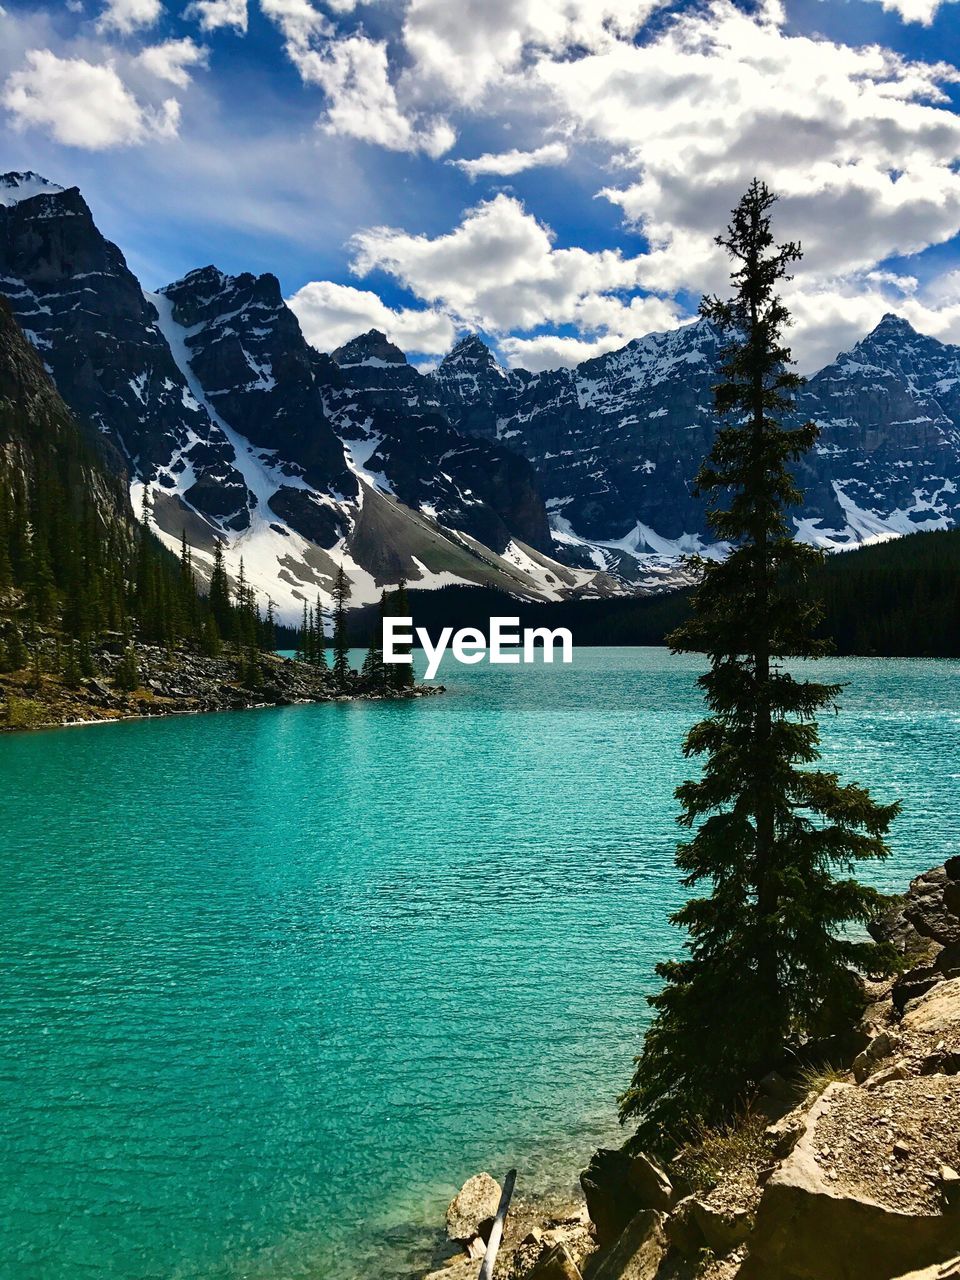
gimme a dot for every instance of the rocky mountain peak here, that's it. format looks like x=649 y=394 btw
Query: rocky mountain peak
x=15 y=187
x=373 y=349
x=208 y=293
x=470 y=349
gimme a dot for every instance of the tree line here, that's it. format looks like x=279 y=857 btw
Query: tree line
x=375 y=675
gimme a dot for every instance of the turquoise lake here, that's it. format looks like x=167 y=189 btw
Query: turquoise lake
x=274 y=983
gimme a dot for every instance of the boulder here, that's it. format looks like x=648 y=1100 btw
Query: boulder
x=617 y=1185
x=683 y=1230
x=881 y=1046
x=556 y=1264
x=784 y=1133
x=722 y=1230
x=933 y=903
x=638 y=1252
x=896 y=1071
x=937 y=1010
x=472 y=1210
x=812 y=1224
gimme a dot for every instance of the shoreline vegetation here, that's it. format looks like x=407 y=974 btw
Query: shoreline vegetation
x=139 y=681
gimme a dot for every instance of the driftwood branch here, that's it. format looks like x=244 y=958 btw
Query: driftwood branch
x=496 y=1231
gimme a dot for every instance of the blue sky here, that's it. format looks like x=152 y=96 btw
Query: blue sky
x=549 y=172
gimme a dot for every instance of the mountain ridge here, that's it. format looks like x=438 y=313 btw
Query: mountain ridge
x=565 y=482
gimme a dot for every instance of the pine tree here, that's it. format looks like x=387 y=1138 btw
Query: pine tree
x=400 y=675
x=320 y=637
x=127 y=675
x=17 y=656
x=374 y=671
x=269 y=637
x=768 y=948
x=210 y=637
x=72 y=672
x=341 y=594
x=219 y=597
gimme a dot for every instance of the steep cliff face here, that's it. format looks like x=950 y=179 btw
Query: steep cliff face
x=38 y=431
x=888 y=457
x=393 y=417
x=71 y=291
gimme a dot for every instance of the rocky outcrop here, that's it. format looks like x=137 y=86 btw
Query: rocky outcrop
x=617 y=1185
x=638 y=1252
x=171 y=682
x=852 y=1201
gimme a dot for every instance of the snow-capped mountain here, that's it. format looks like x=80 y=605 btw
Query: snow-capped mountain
x=79 y=304
x=240 y=431
x=571 y=481
x=888 y=458
x=616 y=442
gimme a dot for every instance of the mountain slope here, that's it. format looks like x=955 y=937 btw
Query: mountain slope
x=235 y=427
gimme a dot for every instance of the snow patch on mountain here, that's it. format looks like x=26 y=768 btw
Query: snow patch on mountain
x=15 y=187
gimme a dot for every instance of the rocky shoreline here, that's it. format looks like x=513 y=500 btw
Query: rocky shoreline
x=843 y=1167
x=178 y=681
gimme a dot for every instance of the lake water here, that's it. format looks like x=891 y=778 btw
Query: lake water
x=275 y=983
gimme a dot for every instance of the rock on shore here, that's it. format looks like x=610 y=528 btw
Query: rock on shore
x=858 y=1180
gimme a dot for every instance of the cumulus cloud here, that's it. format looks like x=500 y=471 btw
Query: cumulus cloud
x=551 y=351
x=856 y=140
x=172 y=59
x=212 y=15
x=83 y=104
x=126 y=16
x=498 y=269
x=507 y=163
x=299 y=22
x=331 y=314
x=362 y=101
x=354 y=73
x=468 y=47
x=923 y=11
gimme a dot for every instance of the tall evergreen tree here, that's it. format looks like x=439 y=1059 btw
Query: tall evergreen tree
x=374 y=670
x=219 y=597
x=768 y=945
x=341 y=595
x=319 y=637
x=400 y=674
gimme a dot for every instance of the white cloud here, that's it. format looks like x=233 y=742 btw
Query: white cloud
x=856 y=140
x=497 y=270
x=171 y=60
x=923 y=11
x=214 y=14
x=353 y=72
x=299 y=22
x=82 y=104
x=468 y=47
x=126 y=16
x=552 y=351
x=362 y=102
x=507 y=163
x=331 y=314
